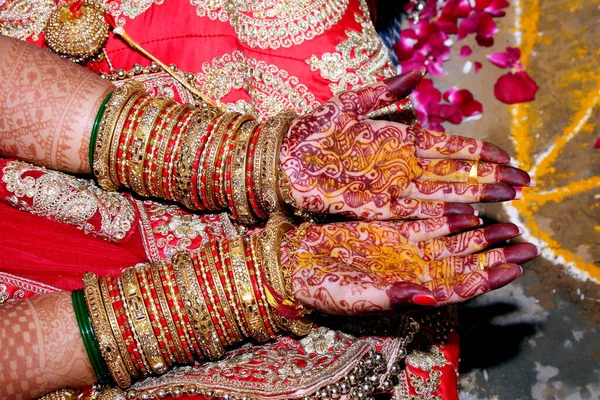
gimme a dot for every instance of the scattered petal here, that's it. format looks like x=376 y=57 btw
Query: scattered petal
x=478 y=66
x=465 y=51
x=508 y=59
x=597 y=143
x=515 y=87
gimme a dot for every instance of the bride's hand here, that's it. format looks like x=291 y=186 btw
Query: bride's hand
x=357 y=267
x=339 y=162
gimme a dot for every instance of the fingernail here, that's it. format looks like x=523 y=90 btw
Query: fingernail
x=503 y=274
x=424 y=300
x=519 y=194
x=403 y=294
x=458 y=223
x=520 y=253
x=492 y=153
x=500 y=232
x=497 y=192
x=457 y=208
x=532 y=183
x=402 y=85
x=512 y=176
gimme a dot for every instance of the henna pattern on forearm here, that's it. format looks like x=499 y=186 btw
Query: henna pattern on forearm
x=48 y=107
x=42 y=349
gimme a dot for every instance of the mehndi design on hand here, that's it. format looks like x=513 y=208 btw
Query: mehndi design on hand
x=339 y=162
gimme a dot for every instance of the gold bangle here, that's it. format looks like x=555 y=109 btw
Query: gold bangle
x=134 y=117
x=116 y=145
x=273 y=133
x=142 y=272
x=167 y=131
x=229 y=147
x=239 y=192
x=189 y=152
x=139 y=145
x=211 y=160
x=195 y=306
x=258 y=267
x=114 y=325
x=236 y=311
x=180 y=128
x=139 y=319
x=106 y=132
x=271 y=238
x=211 y=265
x=245 y=292
x=107 y=342
x=164 y=305
x=179 y=311
x=473 y=172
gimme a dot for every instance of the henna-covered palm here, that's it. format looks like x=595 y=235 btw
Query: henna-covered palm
x=357 y=267
x=340 y=162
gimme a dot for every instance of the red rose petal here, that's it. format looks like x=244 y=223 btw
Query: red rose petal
x=597 y=143
x=478 y=66
x=465 y=51
x=517 y=87
x=500 y=59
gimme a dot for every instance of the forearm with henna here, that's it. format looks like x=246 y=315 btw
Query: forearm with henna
x=47 y=107
x=42 y=349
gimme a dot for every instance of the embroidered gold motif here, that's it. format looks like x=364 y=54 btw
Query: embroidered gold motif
x=128 y=8
x=23 y=18
x=271 y=89
x=360 y=60
x=426 y=360
x=212 y=9
x=69 y=200
x=426 y=388
x=284 y=23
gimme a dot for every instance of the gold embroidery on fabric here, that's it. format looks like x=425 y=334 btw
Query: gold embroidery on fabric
x=360 y=60
x=128 y=8
x=271 y=89
x=23 y=18
x=426 y=388
x=212 y=9
x=284 y=23
x=69 y=200
x=22 y=286
x=426 y=360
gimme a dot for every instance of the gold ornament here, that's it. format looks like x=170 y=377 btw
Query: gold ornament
x=77 y=30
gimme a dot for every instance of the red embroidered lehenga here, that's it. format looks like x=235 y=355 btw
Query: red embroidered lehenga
x=260 y=57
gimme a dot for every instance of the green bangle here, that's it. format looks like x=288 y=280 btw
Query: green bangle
x=89 y=337
x=94 y=135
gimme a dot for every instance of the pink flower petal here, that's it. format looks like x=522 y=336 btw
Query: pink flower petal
x=471 y=108
x=495 y=8
x=465 y=51
x=478 y=66
x=500 y=59
x=484 y=42
x=514 y=53
x=486 y=27
x=515 y=87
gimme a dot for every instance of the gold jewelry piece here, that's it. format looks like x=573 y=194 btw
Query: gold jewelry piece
x=181 y=127
x=258 y=263
x=245 y=292
x=482 y=261
x=211 y=265
x=272 y=137
x=473 y=173
x=236 y=311
x=140 y=321
x=78 y=35
x=238 y=174
x=114 y=325
x=295 y=243
x=151 y=169
x=188 y=154
x=195 y=306
x=213 y=153
x=164 y=305
x=106 y=131
x=271 y=238
x=118 y=132
x=129 y=134
x=139 y=146
x=107 y=342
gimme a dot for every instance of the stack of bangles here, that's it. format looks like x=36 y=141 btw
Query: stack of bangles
x=188 y=308
x=199 y=157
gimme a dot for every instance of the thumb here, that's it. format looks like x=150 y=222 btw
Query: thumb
x=381 y=94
